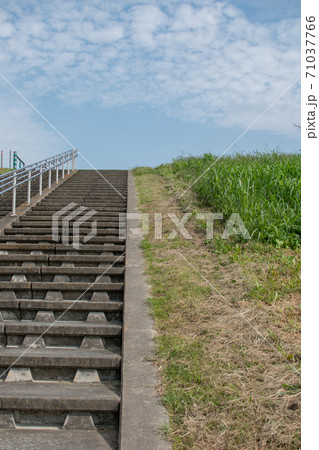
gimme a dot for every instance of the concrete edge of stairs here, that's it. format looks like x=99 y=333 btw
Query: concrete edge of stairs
x=142 y=414
x=7 y=221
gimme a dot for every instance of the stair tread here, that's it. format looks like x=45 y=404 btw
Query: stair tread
x=24 y=258
x=89 y=247
x=84 y=270
x=31 y=247
x=20 y=228
x=20 y=270
x=63 y=357
x=61 y=247
x=57 y=305
x=26 y=439
x=75 y=286
x=61 y=258
x=84 y=258
x=99 y=239
x=61 y=395
x=55 y=286
x=61 y=270
x=62 y=328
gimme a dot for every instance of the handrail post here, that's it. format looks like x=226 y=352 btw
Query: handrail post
x=49 y=176
x=63 y=167
x=40 y=181
x=73 y=161
x=29 y=188
x=68 y=171
x=14 y=195
x=57 y=172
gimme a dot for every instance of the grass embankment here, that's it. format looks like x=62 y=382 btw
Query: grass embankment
x=4 y=171
x=222 y=384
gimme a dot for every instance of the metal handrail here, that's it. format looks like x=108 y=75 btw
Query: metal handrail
x=37 y=164
x=23 y=173
x=16 y=178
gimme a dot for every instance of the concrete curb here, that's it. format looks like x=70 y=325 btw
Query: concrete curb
x=142 y=414
x=7 y=221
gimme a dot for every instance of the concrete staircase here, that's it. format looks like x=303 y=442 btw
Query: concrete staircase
x=61 y=320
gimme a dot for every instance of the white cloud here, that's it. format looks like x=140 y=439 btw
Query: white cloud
x=102 y=35
x=207 y=62
x=189 y=18
x=145 y=21
x=6 y=29
x=23 y=131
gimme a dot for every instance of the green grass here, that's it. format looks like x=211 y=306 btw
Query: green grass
x=4 y=171
x=264 y=189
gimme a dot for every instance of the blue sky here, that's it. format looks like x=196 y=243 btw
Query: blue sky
x=138 y=83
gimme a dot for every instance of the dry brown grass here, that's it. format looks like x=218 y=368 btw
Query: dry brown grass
x=223 y=385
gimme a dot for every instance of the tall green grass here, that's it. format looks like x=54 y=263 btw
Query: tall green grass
x=264 y=189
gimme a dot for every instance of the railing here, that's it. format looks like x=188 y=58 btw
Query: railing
x=11 y=180
x=16 y=159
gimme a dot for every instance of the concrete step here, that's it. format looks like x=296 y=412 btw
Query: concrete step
x=110 y=217
x=48 y=224
x=60 y=334
x=57 y=305
x=48 y=212
x=26 y=396
x=60 y=358
x=61 y=290
x=100 y=204
x=55 y=248
x=55 y=260
x=42 y=272
x=56 y=205
x=28 y=439
x=60 y=328
x=47 y=231
x=66 y=305
x=64 y=309
x=97 y=240
x=74 y=277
